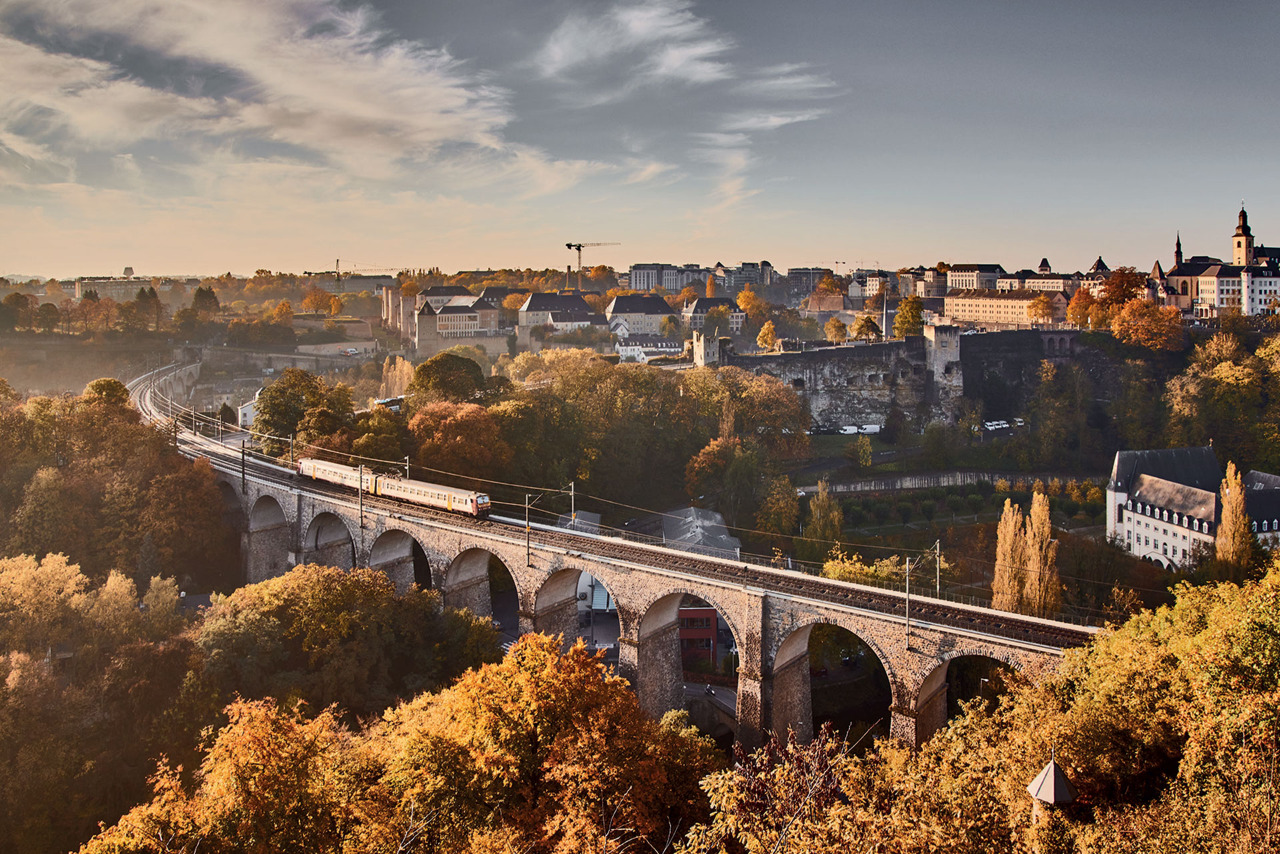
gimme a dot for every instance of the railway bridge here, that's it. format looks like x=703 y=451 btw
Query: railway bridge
x=285 y=521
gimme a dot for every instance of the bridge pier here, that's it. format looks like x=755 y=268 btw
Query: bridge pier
x=265 y=552
x=751 y=710
x=787 y=695
x=472 y=594
x=557 y=618
x=339 y=554
x=660 y=682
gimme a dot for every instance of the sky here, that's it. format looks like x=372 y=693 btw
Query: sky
x=207 y=136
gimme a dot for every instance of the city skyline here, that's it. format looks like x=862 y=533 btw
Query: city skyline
x=205 y=137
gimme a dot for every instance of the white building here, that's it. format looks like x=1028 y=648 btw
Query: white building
x=1161 y=504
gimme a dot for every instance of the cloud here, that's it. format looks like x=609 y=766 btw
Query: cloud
x=769 y=121
x=789 y=81
x=657 y=41
x=308 y=80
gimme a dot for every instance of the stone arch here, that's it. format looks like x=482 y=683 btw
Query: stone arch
x=561 y=606
x=328 y=541
x=659 y=671
x=402 y=558
x=480 y=581
x=789 y=688
x=265 y=543
x=934 y=701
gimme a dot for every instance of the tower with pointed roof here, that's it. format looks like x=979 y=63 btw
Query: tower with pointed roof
x=1242 y=242
x=1177 y=250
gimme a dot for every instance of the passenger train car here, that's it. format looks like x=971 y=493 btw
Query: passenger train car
x=414 y=491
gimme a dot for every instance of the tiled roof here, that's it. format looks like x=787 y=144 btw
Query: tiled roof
x=1195 y=467
x=1188 y=500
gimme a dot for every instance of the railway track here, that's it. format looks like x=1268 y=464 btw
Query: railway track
x=923 y=610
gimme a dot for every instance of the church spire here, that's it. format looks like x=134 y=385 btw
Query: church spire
x=1242 y=242
x=1177 y=250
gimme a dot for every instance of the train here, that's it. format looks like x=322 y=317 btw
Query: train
x=434 y=495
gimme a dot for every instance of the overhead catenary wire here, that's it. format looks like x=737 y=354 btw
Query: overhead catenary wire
x=764 y=560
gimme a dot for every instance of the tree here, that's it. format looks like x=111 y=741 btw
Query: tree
x=315 y=299
x=858 y=452
x=1234 y=542
x=865 y=328
x=910 y=317
x=445 y=376
x=552 y=747
x=1124 y=284
x=836 y=331
x=716 y=324
x=711 y=286
x=829 y=284
x=1042 y=591
x=1078 y=309
x=205 y=302
x=459 y=438
x=282 y=314
x=768 y=338
x=729 y=469
x=1041 y=309
x=109 y=391
x=1145 y=324
x=824 y=525
x=757 y=310
x=47 y=317
x=780 y=509
x=1009 y=576
x=282 y=404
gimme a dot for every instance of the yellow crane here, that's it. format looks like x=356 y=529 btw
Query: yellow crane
x=578 y=247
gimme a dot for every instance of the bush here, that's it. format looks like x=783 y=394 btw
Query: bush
x=973 y=501
x=928 y=509
x=904 y=511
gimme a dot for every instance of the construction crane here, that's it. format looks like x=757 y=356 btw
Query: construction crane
x=578 y=247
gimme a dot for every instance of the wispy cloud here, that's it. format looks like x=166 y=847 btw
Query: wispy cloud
x=312 y=80
x=657 y=41
x=788 y=81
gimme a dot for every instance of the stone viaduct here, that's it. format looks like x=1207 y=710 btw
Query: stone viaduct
x=286 y=522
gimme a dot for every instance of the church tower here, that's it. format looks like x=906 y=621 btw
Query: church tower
x=1177 y=250
x=1242 y=243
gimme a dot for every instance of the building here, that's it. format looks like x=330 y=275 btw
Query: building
x=1204 y=286
x=1161 y=504
x=993 y=307
x=1041 y=279
x=805 y=279
x=695 y=313
x=642 y=348
x=924 y=282
x=968 y=277
x=699 y=626
x=637 y=314
x=441 y=295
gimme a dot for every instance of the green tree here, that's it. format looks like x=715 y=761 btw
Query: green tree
x=865 y=328
x=910 y=317
x=716 y=324
x=445 y=376
x=281 y=406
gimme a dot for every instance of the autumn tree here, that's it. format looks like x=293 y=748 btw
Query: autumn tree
x=711 y=286
x=910 y=317
x=1145 y=324
x=1234 y=542
x=768 y=338
x=1042 y=590
x=1082 y=302
x=865 y=328
x=1041 y=309
x=823 y=525
x=730 y=470
x=1009 y=576
x=858 y=452
x=779 y=509
x=550 y=746
x=836 y=331
x=717 y=323
x=459 y=438
x=1123 y=285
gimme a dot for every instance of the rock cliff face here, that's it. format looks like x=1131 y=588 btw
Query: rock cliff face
x=924 y=376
